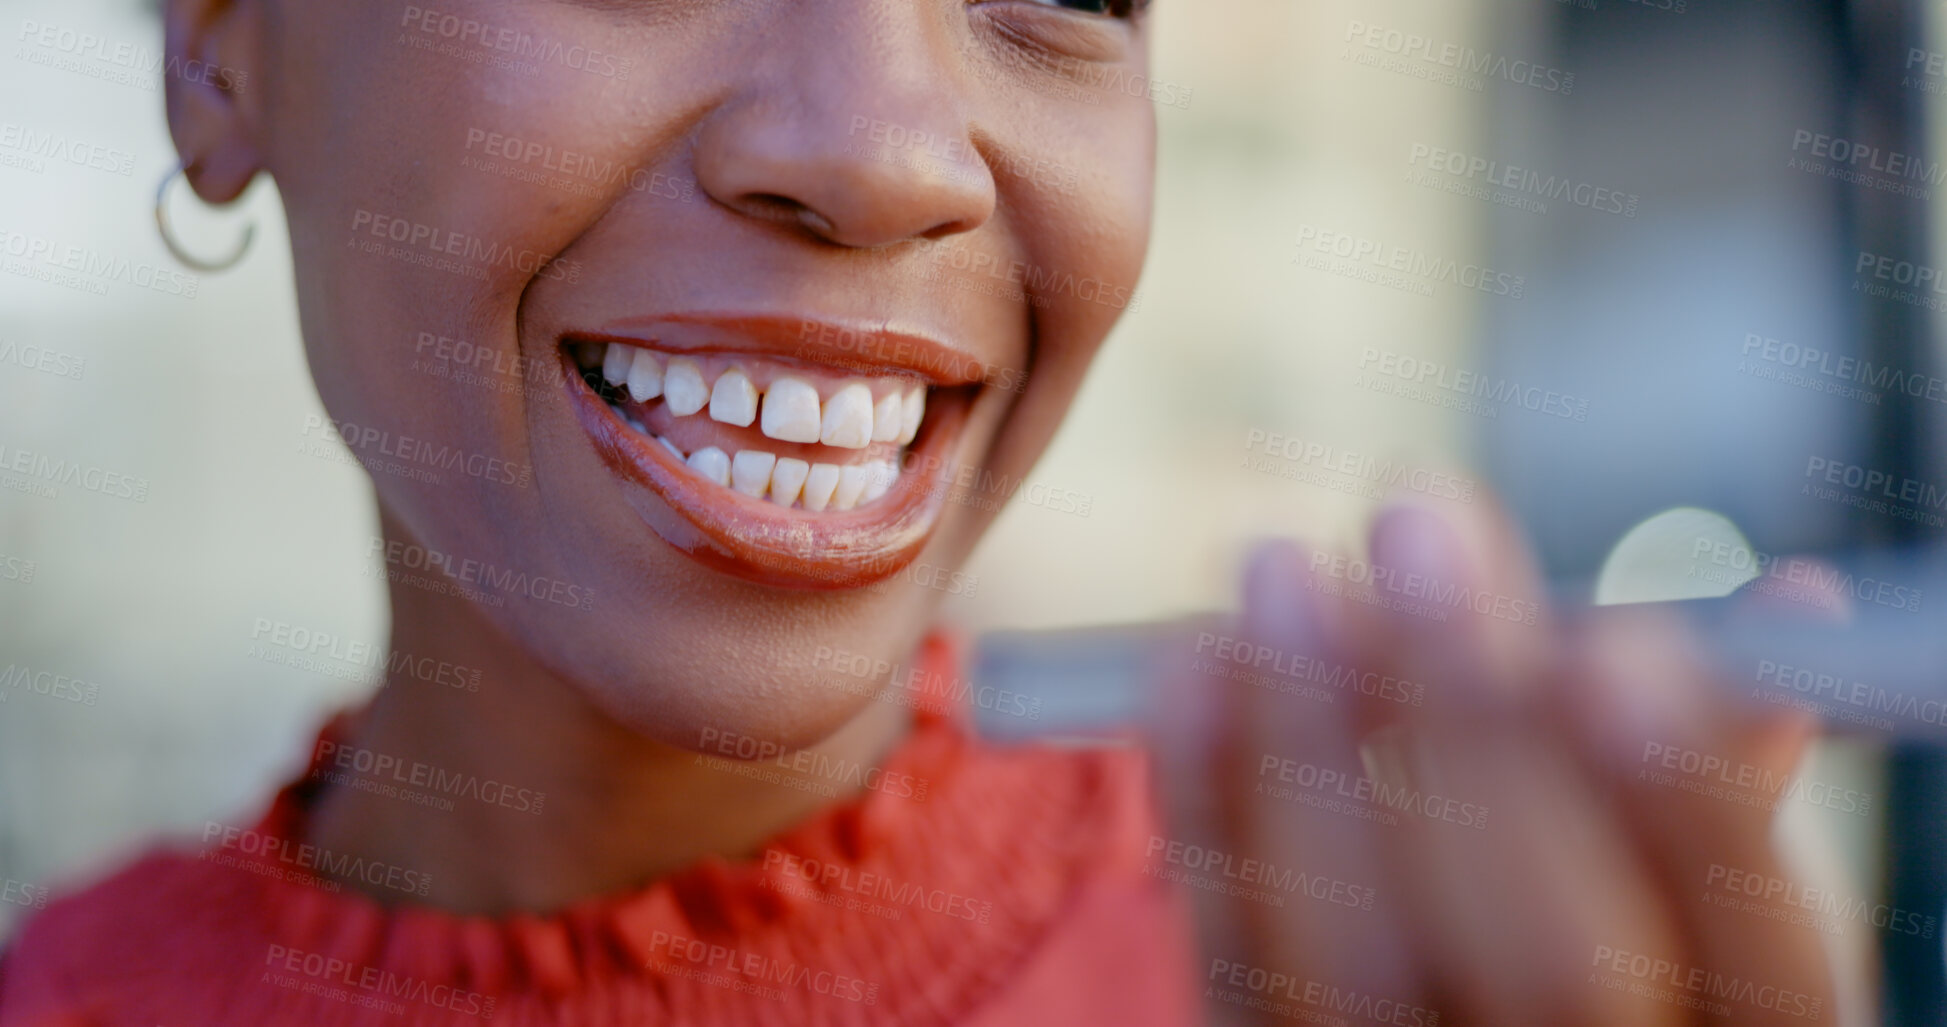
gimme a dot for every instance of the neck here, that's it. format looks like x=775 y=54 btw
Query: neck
x=588 y=807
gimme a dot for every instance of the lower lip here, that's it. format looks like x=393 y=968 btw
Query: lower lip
x=757 y=540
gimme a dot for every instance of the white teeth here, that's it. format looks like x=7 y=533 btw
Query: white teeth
x=790 y=481
x=791 y=411
x=848 y=418
x=683 y=388
x=787 y=480
x=912 y=408
x=734 y=400
x=750 y=472
x=819 y=486
x=886 y=415
x=616 y=362
x=645 y=376
x=879 y=477
x=851 y=485
x=711 y=463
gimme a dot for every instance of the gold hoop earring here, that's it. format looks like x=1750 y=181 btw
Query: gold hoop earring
x=169 y=237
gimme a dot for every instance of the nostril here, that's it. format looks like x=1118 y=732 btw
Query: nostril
x=785 y=210
x=769 y=207
x=782 y=207
x=943 y=230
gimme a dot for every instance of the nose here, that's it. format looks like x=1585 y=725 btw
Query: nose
x=854 y=130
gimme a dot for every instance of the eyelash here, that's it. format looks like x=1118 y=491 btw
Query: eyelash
x=1124 y=9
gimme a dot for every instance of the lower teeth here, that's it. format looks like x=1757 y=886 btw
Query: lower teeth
x=816 y=487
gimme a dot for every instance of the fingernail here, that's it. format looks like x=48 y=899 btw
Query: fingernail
x=1638 y=690
x=1412 y=540
x=1277 y=604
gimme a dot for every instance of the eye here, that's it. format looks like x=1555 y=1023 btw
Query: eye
x=1110 y=8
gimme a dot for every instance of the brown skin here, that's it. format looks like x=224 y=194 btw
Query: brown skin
x=602 y=708
x=1543 y=727
x=753 y=102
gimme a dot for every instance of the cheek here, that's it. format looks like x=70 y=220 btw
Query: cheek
x=1086 y=228
x=1083 y=236
x=429 y=189
x=416 y=228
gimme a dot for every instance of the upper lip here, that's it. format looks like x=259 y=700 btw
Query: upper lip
x=860 y=347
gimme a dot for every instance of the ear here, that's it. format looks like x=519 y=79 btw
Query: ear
x=215 y=49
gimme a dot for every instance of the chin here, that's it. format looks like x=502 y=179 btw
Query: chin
x=757 y=679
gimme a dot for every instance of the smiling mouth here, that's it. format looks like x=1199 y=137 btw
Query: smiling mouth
x=783 y=471
x=824 y=443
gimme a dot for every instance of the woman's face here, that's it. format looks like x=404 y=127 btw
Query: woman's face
x=811 y=243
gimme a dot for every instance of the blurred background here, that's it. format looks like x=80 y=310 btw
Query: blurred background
x=1618 y=218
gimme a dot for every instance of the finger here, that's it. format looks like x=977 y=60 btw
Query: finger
x=1454 y=599
x=1190 y=709
x=1518 y=879
x=1701 y=778
x=1336 y=934
x=1516 y=875
x=1510 y=595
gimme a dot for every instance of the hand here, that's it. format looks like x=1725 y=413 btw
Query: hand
x=1403 y=795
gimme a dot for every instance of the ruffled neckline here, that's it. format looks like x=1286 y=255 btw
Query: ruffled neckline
x=882 y=909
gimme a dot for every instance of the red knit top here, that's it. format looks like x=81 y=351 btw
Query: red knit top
x=1012 y=894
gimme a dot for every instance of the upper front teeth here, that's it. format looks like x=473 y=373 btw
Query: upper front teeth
x=911 y=410
x=886 y=418
x=791 y=411
x=848 y=418
x=734 y=400
x=788 y=410
x=645 y=376
x=683 y=388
